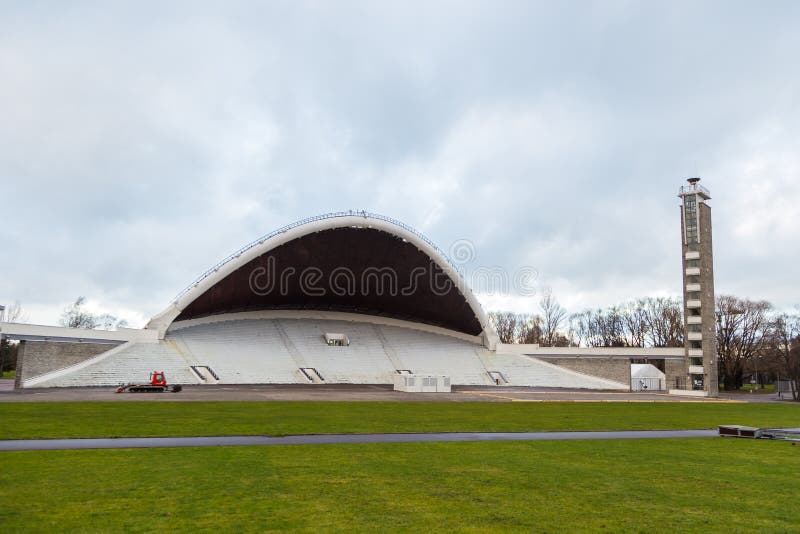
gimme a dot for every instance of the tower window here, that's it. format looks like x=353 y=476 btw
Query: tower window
x=690 y=218
x=691 y=232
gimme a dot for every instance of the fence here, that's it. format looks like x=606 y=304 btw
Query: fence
x=784 y=388
x=647 y=384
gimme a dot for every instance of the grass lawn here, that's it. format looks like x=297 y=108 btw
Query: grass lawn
x=708 y=485
x=93 y=419
x=751 y=389
x=8 y=375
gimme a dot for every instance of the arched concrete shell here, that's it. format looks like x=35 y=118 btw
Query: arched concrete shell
x=356 y=241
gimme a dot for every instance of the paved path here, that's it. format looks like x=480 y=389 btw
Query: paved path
x=323 y=439
x=340 y=392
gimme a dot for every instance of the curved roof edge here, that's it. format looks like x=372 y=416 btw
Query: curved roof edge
x=342 y=219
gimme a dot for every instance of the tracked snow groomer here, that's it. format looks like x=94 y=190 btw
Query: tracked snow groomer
x=158 y=384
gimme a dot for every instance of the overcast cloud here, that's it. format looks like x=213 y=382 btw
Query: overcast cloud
x=142 y=142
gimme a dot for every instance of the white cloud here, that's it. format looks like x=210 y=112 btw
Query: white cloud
x=137 y=150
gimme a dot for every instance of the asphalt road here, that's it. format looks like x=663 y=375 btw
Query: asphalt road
x=326 y=439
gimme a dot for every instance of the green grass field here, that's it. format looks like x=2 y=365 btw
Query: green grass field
x=115 y=419
x=8 y=375
x=710 y=485
x=690 y=485
x=751 y=389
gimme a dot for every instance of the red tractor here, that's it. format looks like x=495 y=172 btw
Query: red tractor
x=158 y=384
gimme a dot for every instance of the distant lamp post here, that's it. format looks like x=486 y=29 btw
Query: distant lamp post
x=758 y=357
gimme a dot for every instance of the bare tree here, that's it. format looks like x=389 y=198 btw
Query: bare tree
x=516 y=327
x=16 y=314
x=599 y=328
x=604 y=328
x=553 y=316
x=574 y=338
x=580 y=327
x=634 y=323
x=611 y=328
x=529 y=329
x=742 y=334
x=664 y=320
x=505 y=324
x=8 y=350
x=645 y=322
x=76 y=316
x=785 y=344
x=107 y=321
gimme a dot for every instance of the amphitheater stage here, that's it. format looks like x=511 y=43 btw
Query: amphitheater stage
x=338 y=392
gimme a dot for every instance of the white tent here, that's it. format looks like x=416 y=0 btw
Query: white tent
x=646 y=377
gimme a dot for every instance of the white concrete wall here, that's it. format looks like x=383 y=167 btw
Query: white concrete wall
x=62 y=333
x=130 y=362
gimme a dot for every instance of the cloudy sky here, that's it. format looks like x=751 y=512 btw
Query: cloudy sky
x=141 y=143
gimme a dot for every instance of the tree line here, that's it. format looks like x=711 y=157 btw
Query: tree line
x=646 y=322
x=753 y=338
x=74 y=316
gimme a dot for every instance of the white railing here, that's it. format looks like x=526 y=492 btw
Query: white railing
x=333 y=215
x=692 y=189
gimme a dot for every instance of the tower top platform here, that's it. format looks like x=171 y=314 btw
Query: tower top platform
x=694 y=188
